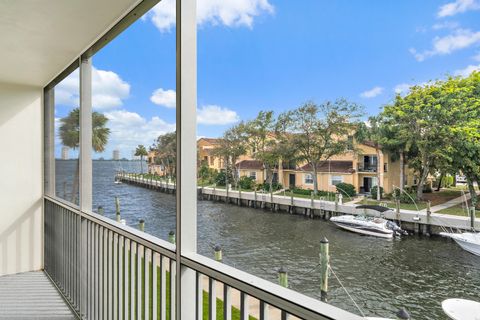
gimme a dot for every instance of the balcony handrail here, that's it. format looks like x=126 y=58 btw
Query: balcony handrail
x=271 y=293
x=285 y=299
x=161 y=246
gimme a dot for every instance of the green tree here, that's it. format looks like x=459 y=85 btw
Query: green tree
x=69 y=133
x=141 y=152
x=425 y=121
x=166 y=152
x=230 y=147
x=318 y=132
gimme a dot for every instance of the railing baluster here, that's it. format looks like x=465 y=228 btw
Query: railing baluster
x=173 y=271
x=147 y=282
x=110 y=274
x=199 y=296
x=263 y=311
x=212 y=299
x=163 y=291
x=105 y=273
x=155 y=274
x=227 y=302
x=115 y=276
x=244 y=306
x=133 y=254
x=95 y=272
x=126 y=278
x=121 y=277
x=139 y=281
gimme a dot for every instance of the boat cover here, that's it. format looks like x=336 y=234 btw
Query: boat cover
x=374 y=207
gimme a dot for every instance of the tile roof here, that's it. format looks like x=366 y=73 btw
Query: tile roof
x=249 y=165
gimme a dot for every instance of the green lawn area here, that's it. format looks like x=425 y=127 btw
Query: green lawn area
x=459 y=210
x=391 y=204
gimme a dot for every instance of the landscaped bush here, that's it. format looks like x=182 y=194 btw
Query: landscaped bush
x=346 y=189
x=246 y=183
x=373 y=192
x=447 y=181
x=406 y=196
x=308 y=192
x=266 y=186
x=220 y=179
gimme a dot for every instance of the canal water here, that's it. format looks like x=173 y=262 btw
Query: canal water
x=415 y=273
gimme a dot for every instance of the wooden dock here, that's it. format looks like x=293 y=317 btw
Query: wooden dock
x=419 y=222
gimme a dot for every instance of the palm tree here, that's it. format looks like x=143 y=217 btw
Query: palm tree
x=141 y=152
x=69 y=133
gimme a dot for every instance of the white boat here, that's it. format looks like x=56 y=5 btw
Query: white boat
x=461 y=309
x=371 y=226
x=469 y=241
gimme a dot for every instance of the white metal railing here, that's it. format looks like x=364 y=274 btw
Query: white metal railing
x=106 y=270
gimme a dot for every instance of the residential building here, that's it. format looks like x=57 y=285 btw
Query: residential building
x=116 y=154
x=358 y=168
x=65 y=152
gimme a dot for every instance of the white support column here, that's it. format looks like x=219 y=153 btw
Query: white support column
x=186 y=155
x=49 y=140
x=85 y=134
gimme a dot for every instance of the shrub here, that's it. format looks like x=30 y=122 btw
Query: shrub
x=266 y=186
x=406 y=196
x=447 y=181
x=220 y=179
x=373 y=192
x=346 y=189
x=427 y=188
x=246 y=183
x=305 y=192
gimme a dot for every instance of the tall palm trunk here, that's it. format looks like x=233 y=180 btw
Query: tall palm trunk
x=315 y=180
x=76 y=182
x=141 y=164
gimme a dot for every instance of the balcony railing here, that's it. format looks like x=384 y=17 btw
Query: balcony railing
x=366 y=167
x=109 y=271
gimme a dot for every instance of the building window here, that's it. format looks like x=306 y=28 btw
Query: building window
x=212 y=161
x=385 y=167
x=308 y=178
x=253 y=175
x=336 y=180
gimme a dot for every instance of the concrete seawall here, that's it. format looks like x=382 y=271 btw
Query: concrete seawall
x=417 y=222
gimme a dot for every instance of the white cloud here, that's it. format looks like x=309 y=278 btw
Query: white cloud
x=108 y=90
x=460 y=39
x=129 y=129
x=458 y=6
x=230 y=13
x=166 y=98
x=372 y=93
x=402 y=88
x=216 y=115
x=446 y=25
x=465 y=72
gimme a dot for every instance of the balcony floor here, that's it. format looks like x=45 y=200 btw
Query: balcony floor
x=31 y=295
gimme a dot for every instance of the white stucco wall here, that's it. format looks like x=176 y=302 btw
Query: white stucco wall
x=21 y=224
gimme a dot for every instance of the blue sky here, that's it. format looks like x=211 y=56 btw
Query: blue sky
x=274 y=55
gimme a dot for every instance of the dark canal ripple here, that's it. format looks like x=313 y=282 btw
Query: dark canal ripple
x=382 y=275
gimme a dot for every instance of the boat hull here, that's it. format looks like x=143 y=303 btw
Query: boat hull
x=467 y=241
x=364 y=231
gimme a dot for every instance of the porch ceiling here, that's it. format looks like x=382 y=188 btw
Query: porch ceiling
x=40 y=38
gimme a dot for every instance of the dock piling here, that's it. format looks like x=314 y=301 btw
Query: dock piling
x=283 y=277
x=218 y=253
x=171 y=237
x=472 y=217
x=141 y=225
x=100 y=210
x=117 y=208
x=324 y=266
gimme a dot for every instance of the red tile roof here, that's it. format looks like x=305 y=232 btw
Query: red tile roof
x=249 y=165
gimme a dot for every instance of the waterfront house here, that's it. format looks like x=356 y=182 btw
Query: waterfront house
x=75 y=262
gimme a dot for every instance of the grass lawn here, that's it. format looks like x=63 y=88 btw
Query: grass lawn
x=235 y=311
x=435 y=198
x=459 y=210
